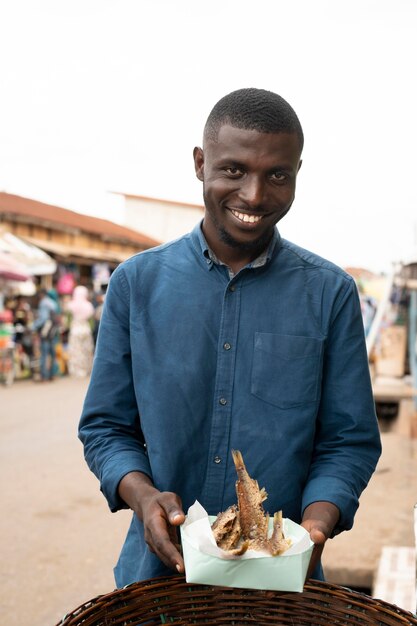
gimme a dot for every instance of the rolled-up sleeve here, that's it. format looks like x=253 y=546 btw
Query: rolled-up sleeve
x=110 y=426
x=348 y=445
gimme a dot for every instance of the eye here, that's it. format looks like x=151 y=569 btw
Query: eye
x=233 y=171
x=279 y=176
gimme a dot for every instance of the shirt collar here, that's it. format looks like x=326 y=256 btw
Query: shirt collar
x=211 y=258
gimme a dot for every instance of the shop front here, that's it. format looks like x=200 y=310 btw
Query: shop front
x=23 y=266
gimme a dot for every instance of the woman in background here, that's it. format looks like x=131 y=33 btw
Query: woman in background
x=80 y=338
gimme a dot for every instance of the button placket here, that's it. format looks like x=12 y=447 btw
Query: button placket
x=222 y=408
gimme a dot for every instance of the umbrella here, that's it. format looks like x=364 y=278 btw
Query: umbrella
x=11 y=269
x=36 y=262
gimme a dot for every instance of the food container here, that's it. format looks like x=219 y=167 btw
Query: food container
x=207 y=564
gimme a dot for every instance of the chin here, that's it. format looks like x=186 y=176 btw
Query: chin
x=251 y=245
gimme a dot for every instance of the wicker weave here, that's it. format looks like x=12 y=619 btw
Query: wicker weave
x=172 y=600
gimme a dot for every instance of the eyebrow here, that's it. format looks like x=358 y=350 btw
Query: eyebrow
x=284 y=168
x=287 y=168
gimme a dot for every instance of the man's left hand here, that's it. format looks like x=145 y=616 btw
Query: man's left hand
x=319 y=519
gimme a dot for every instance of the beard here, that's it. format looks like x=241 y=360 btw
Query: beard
x=254 y=246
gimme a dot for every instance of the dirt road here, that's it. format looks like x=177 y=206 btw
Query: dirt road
x=59 y=541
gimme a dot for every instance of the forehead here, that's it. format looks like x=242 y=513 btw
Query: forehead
x=241 y=143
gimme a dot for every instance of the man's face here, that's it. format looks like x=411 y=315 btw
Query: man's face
x=248 y=185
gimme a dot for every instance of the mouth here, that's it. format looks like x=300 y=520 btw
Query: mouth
x=246 y=218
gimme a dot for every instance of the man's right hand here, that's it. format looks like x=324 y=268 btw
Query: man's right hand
x=161 y=513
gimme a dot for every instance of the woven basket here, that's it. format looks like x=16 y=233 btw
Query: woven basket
x=172 y=600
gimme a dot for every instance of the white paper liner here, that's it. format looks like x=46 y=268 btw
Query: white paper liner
x=197 y=528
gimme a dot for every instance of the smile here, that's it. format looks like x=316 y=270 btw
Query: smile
x=244 y=217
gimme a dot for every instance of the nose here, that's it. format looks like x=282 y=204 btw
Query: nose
x=252 y=191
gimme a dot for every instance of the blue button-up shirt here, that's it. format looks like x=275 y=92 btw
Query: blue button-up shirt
x=192 y=363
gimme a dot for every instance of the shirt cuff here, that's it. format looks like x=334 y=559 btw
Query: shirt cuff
x=119 y=465
x=329 y=489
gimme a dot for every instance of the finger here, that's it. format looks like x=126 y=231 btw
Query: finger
x=172 y=506
x=169 y=553
x=315 y=557
x=315 y=530
x=317 y=537
x=175 y=515
x=174 y=534
x=162 y=539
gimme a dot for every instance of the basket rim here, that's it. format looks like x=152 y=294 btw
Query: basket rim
x=178 y=593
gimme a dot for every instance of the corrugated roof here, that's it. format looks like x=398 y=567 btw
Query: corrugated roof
x=64 y=250
x=34 y=209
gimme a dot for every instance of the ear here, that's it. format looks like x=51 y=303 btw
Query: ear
x=299 y=165
x=198 y=155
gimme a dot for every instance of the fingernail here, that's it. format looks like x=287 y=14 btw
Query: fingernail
x=178 y=567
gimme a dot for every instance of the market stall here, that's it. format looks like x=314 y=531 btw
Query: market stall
x=10 y=270
x=23 y=266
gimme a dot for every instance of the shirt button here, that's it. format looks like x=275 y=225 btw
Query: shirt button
x=223 y=401
x=217 y=459
x=232 y=288
x=227 y=346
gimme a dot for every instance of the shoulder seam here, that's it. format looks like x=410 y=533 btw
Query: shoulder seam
x=317 y=261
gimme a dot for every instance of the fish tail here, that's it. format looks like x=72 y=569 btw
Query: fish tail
x=238 y=460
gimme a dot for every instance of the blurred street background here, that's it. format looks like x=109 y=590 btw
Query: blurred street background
x=59 y=542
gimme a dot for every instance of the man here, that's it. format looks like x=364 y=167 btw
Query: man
x=231 y=337
x=46 y=326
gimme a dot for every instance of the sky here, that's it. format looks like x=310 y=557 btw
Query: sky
x=105 y=96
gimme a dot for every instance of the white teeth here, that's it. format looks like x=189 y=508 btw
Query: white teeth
x=244 y=217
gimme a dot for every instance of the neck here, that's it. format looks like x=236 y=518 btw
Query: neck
x=235 y=255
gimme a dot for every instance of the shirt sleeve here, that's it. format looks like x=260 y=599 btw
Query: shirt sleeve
x=347 y=445
x=110 y=427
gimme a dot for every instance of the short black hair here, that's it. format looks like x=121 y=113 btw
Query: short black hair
x=254 y=109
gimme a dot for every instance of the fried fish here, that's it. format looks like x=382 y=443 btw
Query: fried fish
x=253 y=521
x=245 y=525
x=228 y=533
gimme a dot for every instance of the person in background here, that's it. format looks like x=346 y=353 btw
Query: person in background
x=21 y=316
x=98 y=310
x=53 y=294
x=22 y=320
x=23 y=336
x=80 y=338
x=231 y=337
x=46 y=326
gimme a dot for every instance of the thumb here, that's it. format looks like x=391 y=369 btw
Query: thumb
x=171 y=505
x=317 y=537
x=175 y=514
x=176 y=518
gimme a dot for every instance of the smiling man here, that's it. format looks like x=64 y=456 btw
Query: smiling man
x=230 y=338
x=249 y=185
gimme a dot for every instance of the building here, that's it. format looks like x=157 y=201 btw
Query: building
x=161 y=219
x=86 y=246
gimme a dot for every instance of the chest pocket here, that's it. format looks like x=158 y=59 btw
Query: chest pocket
x=286 y=369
